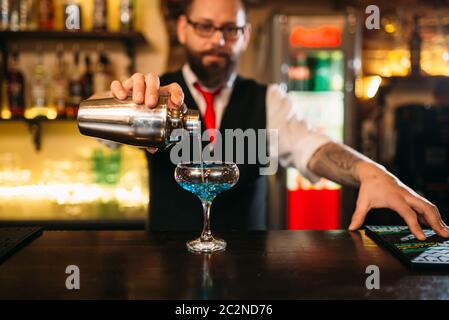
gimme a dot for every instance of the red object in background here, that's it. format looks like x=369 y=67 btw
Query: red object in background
x=314 y=209
x=322 y=37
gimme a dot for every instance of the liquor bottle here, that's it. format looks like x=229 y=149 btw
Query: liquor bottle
x=60 y=84
x=16 y=87
x=23 y=16
x=103 y=75
x=72 y=15
x=127 y=15
x=14 y=16
x=27 y=19
x=46 y=14
x=75 y=88
x=5 y=112
x=415 y=48
x=322 y=72
x=5 y=10
x=88 y=79
x=39 y=92
x=336 y=71
x=301 y=74
x=113 y=166
x=100 y=15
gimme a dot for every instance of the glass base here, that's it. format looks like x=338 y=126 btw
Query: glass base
x=212 y=245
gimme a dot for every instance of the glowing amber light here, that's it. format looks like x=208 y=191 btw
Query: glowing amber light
x=5 y=114
x=367 y=87
x=75 y=193
x=35 y=112
x=390 y=28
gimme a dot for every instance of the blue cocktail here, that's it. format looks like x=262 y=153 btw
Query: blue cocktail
x=206 y=180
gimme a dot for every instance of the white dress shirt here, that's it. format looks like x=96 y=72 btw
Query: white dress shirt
x=297 y=140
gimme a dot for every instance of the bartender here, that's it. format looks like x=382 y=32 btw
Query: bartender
x=214 y=35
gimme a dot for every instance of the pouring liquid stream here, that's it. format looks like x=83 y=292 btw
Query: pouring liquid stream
x=198 y=137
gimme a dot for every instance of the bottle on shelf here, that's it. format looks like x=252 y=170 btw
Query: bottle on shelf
x=322 y=71
x=112 y=168
x=14 y=16
x=127 y=12
x=299 y=74
x=75 y=88
x=5 y=11
x=23 y=14
x=415 y=48
x=100 y=15
x=336 y=71
x=60 y=84
x=88 y=79
x=106 y=166
x=15 y=87
x=40 y=106
x=5 y=110
x=27 y=19
x=103 y=75
x=72 y=15
x=46 y=14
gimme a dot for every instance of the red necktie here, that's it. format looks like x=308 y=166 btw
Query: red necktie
x=209 y=115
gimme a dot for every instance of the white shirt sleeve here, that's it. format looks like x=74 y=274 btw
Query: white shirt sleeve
x=298 y=141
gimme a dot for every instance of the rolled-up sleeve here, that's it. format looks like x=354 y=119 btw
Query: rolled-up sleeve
x=298 y=141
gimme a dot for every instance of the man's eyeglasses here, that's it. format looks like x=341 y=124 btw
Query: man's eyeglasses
x=206 y=30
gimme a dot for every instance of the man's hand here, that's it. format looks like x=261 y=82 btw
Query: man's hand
x=145 y=90
x=378 y=189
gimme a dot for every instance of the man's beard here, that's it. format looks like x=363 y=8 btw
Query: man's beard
x=215 y=74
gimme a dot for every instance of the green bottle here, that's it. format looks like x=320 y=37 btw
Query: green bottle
x=98 y=166
x=336 y=71
x=322 y=71
x=112 y=170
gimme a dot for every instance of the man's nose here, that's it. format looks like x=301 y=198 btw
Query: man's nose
x=218 y=38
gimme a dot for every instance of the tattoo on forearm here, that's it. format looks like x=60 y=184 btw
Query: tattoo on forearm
x=337 y=163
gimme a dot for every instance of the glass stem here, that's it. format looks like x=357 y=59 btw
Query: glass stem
x=206 y=235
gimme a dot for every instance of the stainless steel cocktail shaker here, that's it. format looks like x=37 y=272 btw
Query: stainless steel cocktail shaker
x=127 y=122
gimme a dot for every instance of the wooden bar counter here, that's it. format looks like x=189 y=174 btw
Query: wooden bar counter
x=256 y=265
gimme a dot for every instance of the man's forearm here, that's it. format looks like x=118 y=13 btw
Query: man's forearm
x=342 y=164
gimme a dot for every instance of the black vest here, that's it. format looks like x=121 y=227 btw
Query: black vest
x=241 y=208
